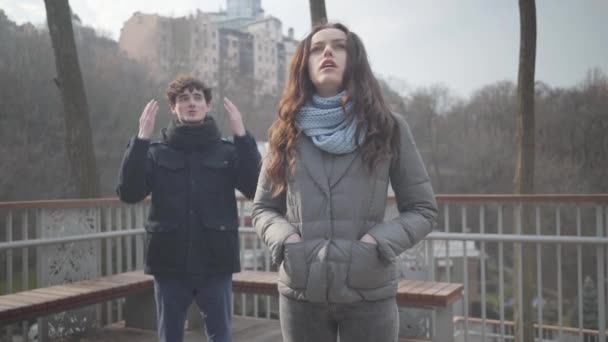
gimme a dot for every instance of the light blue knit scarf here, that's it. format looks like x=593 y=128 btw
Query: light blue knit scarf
x=330 y=129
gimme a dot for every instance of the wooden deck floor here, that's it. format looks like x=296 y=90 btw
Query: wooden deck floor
x=244 y=329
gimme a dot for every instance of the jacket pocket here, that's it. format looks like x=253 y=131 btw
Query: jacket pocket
x=163 y=245
x=294 y=270
x=366 y=269
x=222 y=243
x=170 y=176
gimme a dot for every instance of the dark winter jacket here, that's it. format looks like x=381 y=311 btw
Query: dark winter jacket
x=192 y=225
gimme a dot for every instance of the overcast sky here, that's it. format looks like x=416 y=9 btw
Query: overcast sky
x=462 y=44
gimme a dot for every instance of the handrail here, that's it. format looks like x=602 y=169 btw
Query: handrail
x=520 y=238
x=89 y=202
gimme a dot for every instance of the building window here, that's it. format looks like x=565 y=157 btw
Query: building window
x=213 y=47
x=214 y=60
x=213 y=34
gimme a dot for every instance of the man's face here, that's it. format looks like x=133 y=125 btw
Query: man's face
x=190 y=106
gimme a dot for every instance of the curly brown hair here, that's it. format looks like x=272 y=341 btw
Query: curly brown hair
x=183 y=82
x=362 y=88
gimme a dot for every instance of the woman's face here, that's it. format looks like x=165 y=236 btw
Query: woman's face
x=327 y=61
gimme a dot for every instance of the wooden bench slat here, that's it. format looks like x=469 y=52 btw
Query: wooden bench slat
x=409 y=284
x=420 y=289
x=46 y=296
x=70 y=290
x=53 y=292
x=449 y=289
x=9 y=303
x=26 y=298
x=433 y=290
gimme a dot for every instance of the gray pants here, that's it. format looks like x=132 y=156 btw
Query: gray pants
x=366 y=321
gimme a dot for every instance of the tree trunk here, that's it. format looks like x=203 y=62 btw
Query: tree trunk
x=524 y=176
x=318 y=14
x=78 y=141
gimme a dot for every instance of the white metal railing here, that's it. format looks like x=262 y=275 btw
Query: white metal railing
x=494 y=328
x=475 y=245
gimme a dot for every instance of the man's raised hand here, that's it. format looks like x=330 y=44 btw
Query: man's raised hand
x=235 y=118
x=147 y=119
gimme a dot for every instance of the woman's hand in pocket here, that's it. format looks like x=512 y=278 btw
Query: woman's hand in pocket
x=369 y=239
x=293 y=238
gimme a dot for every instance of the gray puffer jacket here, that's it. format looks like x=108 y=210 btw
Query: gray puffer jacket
x=332 y=201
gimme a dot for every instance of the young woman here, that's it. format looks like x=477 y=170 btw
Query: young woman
x=322 y=192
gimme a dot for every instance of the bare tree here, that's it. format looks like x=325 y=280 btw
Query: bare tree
x=78 y=138
x=524 y=173
x=318 y=14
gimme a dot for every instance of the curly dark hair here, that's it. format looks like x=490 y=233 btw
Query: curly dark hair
x=183 y=82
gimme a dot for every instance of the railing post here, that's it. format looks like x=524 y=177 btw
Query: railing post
x=128 y=239
x=482 y=223
x=25 y=266
x=560 y=304
x=9 y=265
x=139 y=242
x=444 y=328
x=448 y=260
x=601 y=294
x=466 y=273
x=9 y=254
x=501 y=290
x=518 y=249
x=539 y=275
x=579 y=275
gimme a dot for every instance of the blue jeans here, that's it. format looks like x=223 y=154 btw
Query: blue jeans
x=175 y=293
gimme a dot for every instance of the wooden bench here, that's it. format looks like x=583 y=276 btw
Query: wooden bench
x=53 y=299
x=44 y=301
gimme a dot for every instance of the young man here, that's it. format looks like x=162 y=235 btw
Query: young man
x=192 y=229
